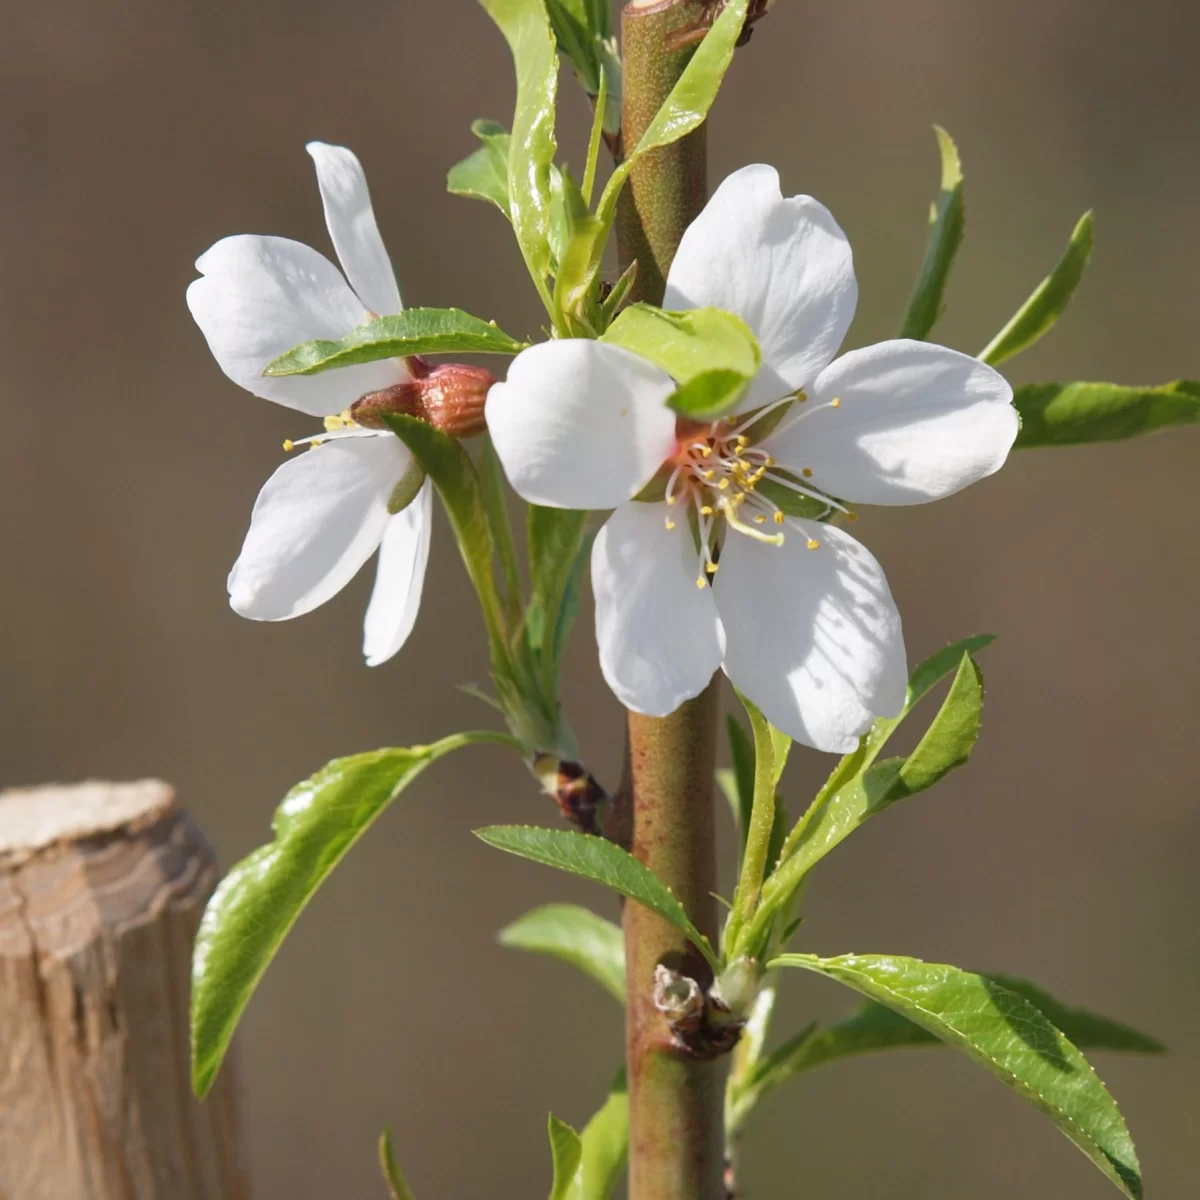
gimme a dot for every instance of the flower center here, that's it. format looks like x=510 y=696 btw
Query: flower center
x=718 y=470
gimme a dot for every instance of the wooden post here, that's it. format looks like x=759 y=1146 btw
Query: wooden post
x=101 y=890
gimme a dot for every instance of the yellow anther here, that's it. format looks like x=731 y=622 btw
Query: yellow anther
x=706 y=451
x=769 y=462
x=700 y=581
x=709 y=474
x=669 y=523
x=779 y=518
x=711 y=568
x=289 y=445
x=706 y=510
x=723 y=485
x=807 y=472
x=315 y=443
x=801 y=397
x=333 y=424
x=671 y=499
x=852 y=516
x=760 y=519
x=836 y=402
x=813 y=544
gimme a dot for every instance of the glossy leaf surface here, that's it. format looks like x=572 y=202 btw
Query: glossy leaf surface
x=414 y=331
x=1007 y=1036
x=601 y=861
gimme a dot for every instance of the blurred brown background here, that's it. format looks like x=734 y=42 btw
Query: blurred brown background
x=133 y=134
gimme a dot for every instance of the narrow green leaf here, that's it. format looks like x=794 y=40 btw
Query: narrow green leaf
x=408 y=489
x=414 y=331
x=948 y=742
x=687 y=344
x=689 y=100
x=860 y=787
x=574 y=935
x=526 y=28
x=595 y=140
x=392 y=1175
x=567 y=1152
x=569 y=20
x=259 y=900
x=760 y=826
x=873 y=1028
x=483 y=175
x=684 y=110
x=495 y=506
x=1004 y=1034
x=448 y=464
x=615 y=299
x=945 y=236
x=1068 y=414
x=1037 y=316
x=605 y=1143
x=554 y=537
x=601 y=861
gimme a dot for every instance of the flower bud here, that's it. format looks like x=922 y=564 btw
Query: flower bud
x=450 y=398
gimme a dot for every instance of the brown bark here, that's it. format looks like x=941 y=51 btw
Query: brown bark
x=101 y=891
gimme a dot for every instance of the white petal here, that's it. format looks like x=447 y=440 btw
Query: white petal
x=783 y=266
x=351 y=222
x=813 y=636
x=315 y=522
x=915 y=422
x=581 y=424
x=403 y=554
x=659 y=635
x=259 y=297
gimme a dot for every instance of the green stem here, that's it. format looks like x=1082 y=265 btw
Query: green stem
x=676 y=1137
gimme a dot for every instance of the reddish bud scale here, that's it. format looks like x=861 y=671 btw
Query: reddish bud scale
x=450 y=398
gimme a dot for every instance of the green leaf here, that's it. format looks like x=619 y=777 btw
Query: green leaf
x=483 y=175
x=447 y=463
x=526 y=28
x=760 y=826
x=687 y=344
x=948 y=742
x=574 y=935
x=567 y=1152
x=495 y=506
x=601 y=861
x=1037 y=316
x=569 y=20
x=1067 y=414
x=554 y=538
x=414 y=331
x=392 y=1176
x=259 y=900
x=689 y=100
x=683 y=111
x=945 y=235
x=860 y=787
x=605 y=1142
x=709 y=395
x=874 y=1027
x=1004 y=1034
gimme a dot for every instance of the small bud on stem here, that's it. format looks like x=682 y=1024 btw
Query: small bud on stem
x=450 y=398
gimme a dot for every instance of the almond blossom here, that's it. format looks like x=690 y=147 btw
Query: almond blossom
x=323 y=513
x=719 y=570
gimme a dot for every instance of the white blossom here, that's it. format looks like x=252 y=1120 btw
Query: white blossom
x=324 y=512
x=716 y=574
